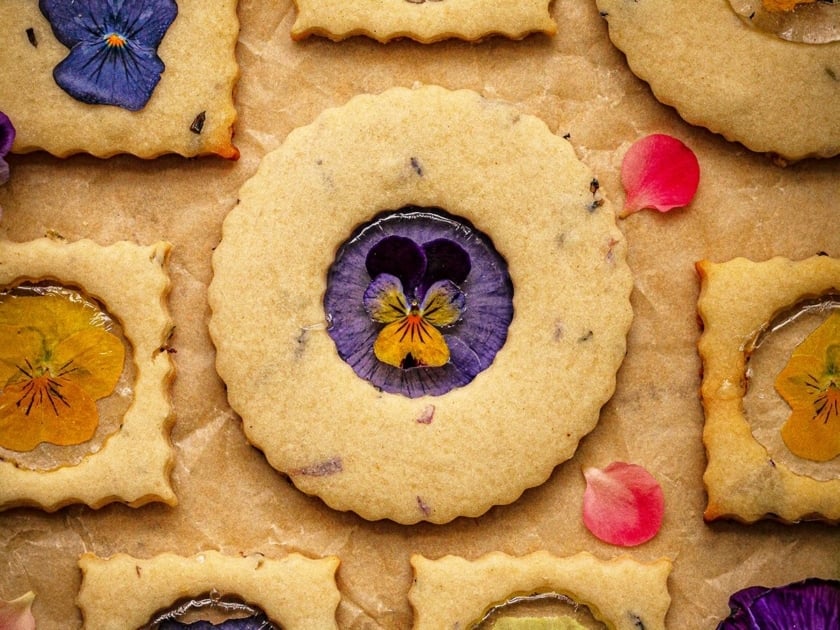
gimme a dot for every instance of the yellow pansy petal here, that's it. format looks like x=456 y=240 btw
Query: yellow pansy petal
x=811 y=438
x=444 y=303
x=92 y=359
x=384 y=299
x=46 y=410
x=411 y=342
x=16 y=345
x=56 y=312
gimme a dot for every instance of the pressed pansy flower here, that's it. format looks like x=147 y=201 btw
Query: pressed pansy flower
x=811 y=603
x=259 y=622
x=418 y=302
x=7 y=139
x=113 y=46
x=810 y=383
x=57 y=358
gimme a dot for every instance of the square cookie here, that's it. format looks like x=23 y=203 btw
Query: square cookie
x=739 y=301
x=78 y=97
x=131 y=462
x=422 y=20
x=126 y=592
x=453 y=592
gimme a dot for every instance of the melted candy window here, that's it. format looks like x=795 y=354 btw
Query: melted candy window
x=793 y=396
x=804 y=21
x=212 y=612
x=65 y=380
x=540 y=611
x=418 y=302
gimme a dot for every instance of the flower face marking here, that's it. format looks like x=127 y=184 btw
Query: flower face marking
x=418 y=303
x=57 y=358
x=113 y=48
x=810 y=384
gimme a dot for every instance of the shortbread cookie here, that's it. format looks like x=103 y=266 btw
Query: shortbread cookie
x=120 y=592
x=434 y=361
x=132 y=463
x=423 y=20
x=739 y=301
x=624 y=594
x=750 y=87
x=177 y=96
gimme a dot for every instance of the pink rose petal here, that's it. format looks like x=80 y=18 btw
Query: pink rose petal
x=17 y=614
x=658 y=172
x=622 y=504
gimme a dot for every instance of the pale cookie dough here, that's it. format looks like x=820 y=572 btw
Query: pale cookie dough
x=122 y=592
x=423 y=20
x=453 y=592
x=738 y=300
x=191 y=111
x=435 y=457
x=134 y=463
x=771 y=95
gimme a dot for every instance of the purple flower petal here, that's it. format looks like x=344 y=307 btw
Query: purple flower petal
x=473 y=340
x=813 y=604
x=113 y=48
x=400 y=257
x=100 y=74
x=259 y=622
x=446 y=261
x=7 y=134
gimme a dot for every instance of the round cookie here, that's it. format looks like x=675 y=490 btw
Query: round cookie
x=433 y=457
x=771 y=95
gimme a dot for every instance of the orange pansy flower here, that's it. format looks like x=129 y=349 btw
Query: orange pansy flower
x=57 y=358
x=810 y=383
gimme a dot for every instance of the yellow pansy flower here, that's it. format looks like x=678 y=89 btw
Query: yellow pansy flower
x=810 y=383
x=57 y=358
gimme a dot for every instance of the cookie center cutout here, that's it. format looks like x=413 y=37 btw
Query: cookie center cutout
x=418 y=302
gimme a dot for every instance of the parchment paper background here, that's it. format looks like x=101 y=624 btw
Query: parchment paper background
x=231 y=500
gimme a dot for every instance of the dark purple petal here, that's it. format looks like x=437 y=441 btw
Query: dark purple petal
x=397 y=256
x=473 y=341
x=812 y=604
x=7 y=134
x=446 y=261
x=100 y=74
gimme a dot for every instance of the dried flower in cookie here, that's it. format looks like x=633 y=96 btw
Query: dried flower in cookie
x=811 y=603
x=623 y=504
x=7 y=139
x=57 y=358
x=260 y=622
x=803 y=21
x=658 y=172
x=17 y=614
x=418 y=302
x=113 y=46
x=810 y=384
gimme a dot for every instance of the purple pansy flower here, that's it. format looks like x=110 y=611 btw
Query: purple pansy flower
x=418 y=302
x=113 y=48
x=812 y=604
x=259 y=622
x=7 y=139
